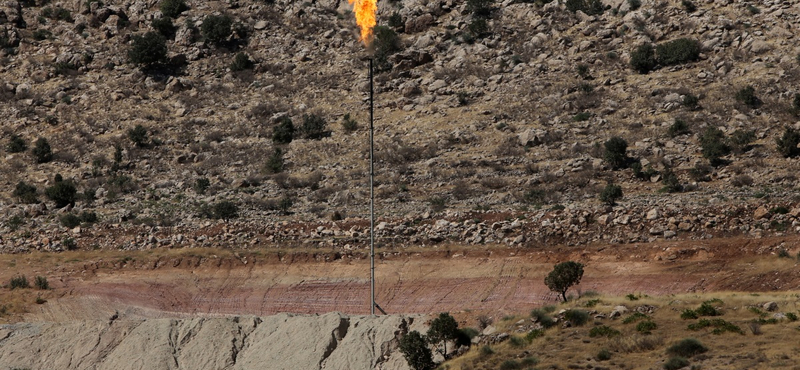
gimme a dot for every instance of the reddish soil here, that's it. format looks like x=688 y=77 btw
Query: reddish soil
x=460 y=278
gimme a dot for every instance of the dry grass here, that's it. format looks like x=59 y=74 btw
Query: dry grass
x=774 y=345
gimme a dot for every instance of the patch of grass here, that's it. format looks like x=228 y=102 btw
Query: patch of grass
x=19 y=282
x=603 y=331
x=41 y=283
x=720 y=326
x=687 y=348
x=634 y=317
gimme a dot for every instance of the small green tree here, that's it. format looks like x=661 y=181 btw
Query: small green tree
x=748 y=97
x=386 y=43
x=615 y=154
x=643 y=58
x=283 y=133
x=165 y=27
x=349 y=124
x=678 y=51
x=173 y=8
x=41 y=151
x=443 y=328
x=563 y=276
x=415 y=349
x=16 y=144
x=313 y=127
x=62 y=192
x=241 y=62
x=25 y=192
x=714 y=146
x=216 y=28
x=148 y=50
x=138 y=135
x=787 y=143
x=611 y=193
x=275 y=162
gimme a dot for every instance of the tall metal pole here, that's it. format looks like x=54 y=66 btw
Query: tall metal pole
x=371 y=203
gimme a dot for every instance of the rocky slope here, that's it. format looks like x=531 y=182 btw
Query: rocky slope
x=330 y=341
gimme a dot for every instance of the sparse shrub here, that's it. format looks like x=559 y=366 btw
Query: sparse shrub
x=796 y=103
x=691 y=102
x=386 y=43
x=675 y=363
x=576 y=317
x=582 y=116
x=713 y=145
x=486 y=351
x=603 y=331
x=19 y=282
x=791 y=316
x=26 y=193
x=241 y=62
x=349 y=124
x=201 y=185
x=509 y=365
x=283 y=133
x=148 y=50
x=740 y=140
x=542 y=318
x=138 y=135
x=40 y=282
x=69 y=244
x=42 y=34
x=41 y=151
x=225 y=210
x=742 y=180
x=313 y=127
x=529 y=361
x=415 y=349
x=438 y=204
x=701 y=172
x=632 y=297
x=16 y=144
x=610 y=194
x=634 y=4
x=679 y=127
x=634 y=317
x=165 y=27
x=747 y=96
x=643 y=58
x=563 y=276
x=706 y=309
x=62 y=192
x=275 y=162
x=14 y=222
x=479 y=8
x=689 y=6
x=285 y=204
x=478 y=28
x=533 y=334
x=783 y=253
x=787 y=143
x=516 y=341
x=615 y=153
x=396 y=22
x=646 y=326
x=689 y=314
x=173 y=8
x=687 y=348
x=583 y=70
x=590 y=7
x=678 y=51
x=70 y=220
x=720 y=326
x=603 y=355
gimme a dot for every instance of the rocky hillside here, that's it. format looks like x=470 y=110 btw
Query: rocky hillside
x=491 y=122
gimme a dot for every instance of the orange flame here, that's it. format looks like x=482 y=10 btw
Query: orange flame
x=365 y=17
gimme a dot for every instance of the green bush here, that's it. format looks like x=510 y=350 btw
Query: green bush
x=634 y=4
x=643 y=58
x=689 y=6
x=634 y=317
x=791 y=316
x=590 y=7
x=42 y=34
x=26 y=193
x=386 y=43
x=19 y=282
x=646 y=326
x=610 y=194
x=576 y=317
x=787 y=143
x=678 y=51
x=675 y=363
x=16 y=144
x=542 y=318
x=138 y=135
x=173 y=8
x=283 y=133
x=679 y=127
x=533 y=334
x=349 y=124
x=720 y=326
x=62 y=192
x=687 y=348
x=225 y=210
x=486 y=351
x=41 y=283
x=480 y=8
x=509 y=365
x=706 y=309
x=603 y=331
x=165 y=27
x=148 y=50
x=69 y=244
x=689 y=314
x=714 y=146
x=691 y=101
x=274 y=162
x=396 y=21
x=603 y=355
x=88 y=217
x=670 y=181
x=313 y=127
x=478 y=28
x=70 y=220
x=241 y=62
x=41 y=151
x=216 y=28
x=615 y=153
x=201 y=185
x=747 y=96
x=415 y=349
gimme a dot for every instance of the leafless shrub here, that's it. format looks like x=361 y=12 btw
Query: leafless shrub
x=484 y=321
x=398 y=152
x=215 y=136
x=461 y=190
x=636 y=343
x=322 y=194
x=494 y=183
x=742 y=180
x=309 y=181
x=509 y=147
x=755 y=328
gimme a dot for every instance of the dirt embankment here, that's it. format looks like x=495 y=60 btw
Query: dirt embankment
x=187 y=283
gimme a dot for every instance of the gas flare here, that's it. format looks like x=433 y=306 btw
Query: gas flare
x=365 y=17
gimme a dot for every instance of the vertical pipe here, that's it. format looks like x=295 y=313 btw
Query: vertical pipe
x=371 y=202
